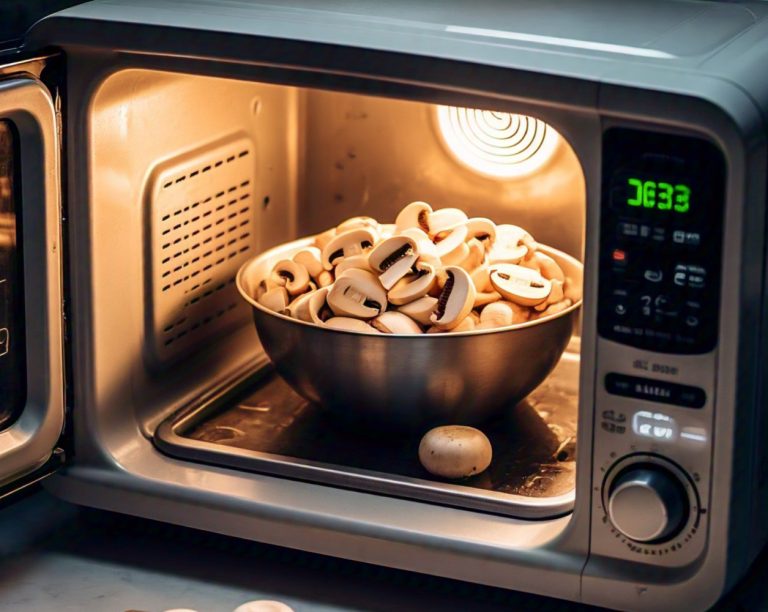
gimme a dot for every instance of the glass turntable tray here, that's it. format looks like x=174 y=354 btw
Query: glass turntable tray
x=263 y=426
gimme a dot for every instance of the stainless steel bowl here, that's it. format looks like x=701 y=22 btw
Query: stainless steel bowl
x=408 y=382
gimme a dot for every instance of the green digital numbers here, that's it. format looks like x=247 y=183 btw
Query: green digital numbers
x=658 y=195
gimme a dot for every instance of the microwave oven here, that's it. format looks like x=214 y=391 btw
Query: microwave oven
x=133 y=132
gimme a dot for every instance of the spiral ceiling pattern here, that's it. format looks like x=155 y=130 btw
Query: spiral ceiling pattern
x=495 y=143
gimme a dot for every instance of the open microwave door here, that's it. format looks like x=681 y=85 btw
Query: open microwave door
x=31 y=363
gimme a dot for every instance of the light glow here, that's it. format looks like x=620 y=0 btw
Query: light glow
x=497 y=144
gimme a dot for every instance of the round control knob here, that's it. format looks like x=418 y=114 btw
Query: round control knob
x=647 y=503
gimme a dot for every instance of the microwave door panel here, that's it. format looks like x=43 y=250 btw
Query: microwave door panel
x=31 y=377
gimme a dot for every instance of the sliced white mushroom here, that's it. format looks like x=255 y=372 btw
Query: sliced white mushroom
x=264 y=286
x=511 y=246
x=449 y=240
x=501 y=314
x=445 y=219
x=426 y=248
x=455 y=257
x=350 y=324
x=420 y=310
x=475 y=255
x=323 y=238
x=275 y=299
x=483 y=230
x=291 y=275
x=520 y=285
x=413 y=286
x=353 y=242
x=358 y=223
x=556 y=295
x=481 y=278
x=325 y=278
x=311 y=258
x=456 y=299
x=393 y=258
x=357 y=293
x=466 y=324
x=572 y=290
x=413 y=215
x=356 y=261
x=548 y=267
x=319 y=310
x=393 y=322
x=299 y=307
x=554 y=309
x=486 y=297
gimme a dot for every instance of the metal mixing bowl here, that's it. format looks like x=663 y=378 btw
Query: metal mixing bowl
x=409 y=382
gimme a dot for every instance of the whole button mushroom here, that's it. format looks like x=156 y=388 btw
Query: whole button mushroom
x=357 y=293
x=519 y=284
x=291 y=275
x=455 y=451
x=456 y=299
x=353 y=242
x=393 y=258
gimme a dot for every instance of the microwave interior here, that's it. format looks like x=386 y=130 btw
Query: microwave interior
x=190 y=176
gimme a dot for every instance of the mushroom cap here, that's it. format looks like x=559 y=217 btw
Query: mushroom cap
x=420 y=310
x=350 y=324
x=393 y=322
x=393 y=258
x=354 y=261
x=275 y=299
x=317 y=302
x=353 y=242
x=357 y=293
x=299 y=307
x=311 y=258
x=413 y=215
x=413 y=286
x=456 y=299
x=519 y=284
x=450 y=240
x=445 y=219
x=292 y=275
x=357 y=223
x=483 y=230
x=499 y=313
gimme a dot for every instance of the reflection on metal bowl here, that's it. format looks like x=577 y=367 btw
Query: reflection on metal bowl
x=409 y=381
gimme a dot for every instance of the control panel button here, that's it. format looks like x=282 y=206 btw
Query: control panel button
x=653 y=390
x=647 y=503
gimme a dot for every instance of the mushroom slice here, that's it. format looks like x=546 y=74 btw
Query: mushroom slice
x=325 y=278
x=350 y=324
x=358 y=223
x=275 y=299
x=512 y=244
x=572 y=290
x=483 y=230
x=353 y=242
x=456 y=299
x=356 y=261
x=291 y=275
x=311 y=258
x=414 y=214
x=420 y=310
x=425 y=247
x=393 y=258
x=502 y=313
x=556 y=295
x=548 y=267
x=554 y=309
x=299 y=307
x=520 y=285
x=467 y=324
x=319 y=311
x=445 y=219
x=486 y=297
x=323 y=238
x=393 y=322
x=357 y=293
x=481 y=277
x=450 y=239
x=455 y=257
x=475 y=255
x=413 y=286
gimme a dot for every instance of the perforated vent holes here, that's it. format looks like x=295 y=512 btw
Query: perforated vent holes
x=203 y=226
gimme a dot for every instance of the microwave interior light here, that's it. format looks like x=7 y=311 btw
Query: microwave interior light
x=497 y=144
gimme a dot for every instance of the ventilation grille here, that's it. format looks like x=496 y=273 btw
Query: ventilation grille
x=203 y=226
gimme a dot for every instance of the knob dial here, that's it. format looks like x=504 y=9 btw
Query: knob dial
x=647 y=503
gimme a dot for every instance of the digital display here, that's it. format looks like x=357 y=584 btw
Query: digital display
x=660 y=195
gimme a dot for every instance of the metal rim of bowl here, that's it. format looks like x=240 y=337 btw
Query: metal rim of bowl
x=268 y=253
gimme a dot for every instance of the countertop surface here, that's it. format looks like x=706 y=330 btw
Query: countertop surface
x=54 y=556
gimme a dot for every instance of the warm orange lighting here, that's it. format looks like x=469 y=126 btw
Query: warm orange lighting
x=497 y=144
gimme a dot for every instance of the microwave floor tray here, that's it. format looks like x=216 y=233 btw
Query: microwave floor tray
x=263 y=426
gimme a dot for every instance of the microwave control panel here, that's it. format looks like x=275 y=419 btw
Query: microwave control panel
x=660 y=241
x=12 y=352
